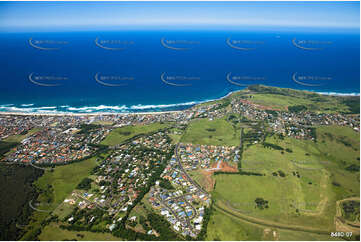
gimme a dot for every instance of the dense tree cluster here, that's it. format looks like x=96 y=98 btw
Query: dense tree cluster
x=261 y=203
x=164 y=183
x=297 y=108
x=16 y=181
x=272 y=146
x=85 y=184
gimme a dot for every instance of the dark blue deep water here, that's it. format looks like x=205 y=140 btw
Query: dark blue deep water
x=56 y=72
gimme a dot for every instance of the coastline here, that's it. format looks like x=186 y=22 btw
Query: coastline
x=191 y=104
x=59 y=113
x=86 y=114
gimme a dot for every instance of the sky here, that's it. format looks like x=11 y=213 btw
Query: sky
x=47 y=16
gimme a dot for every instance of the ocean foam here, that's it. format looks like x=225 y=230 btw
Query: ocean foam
x=64 y=109
x=339 y=94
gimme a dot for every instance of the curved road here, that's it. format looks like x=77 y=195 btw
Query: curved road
x=175 y=214
x=185 y=173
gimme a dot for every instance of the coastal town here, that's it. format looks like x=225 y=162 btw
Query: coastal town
x=152 y=169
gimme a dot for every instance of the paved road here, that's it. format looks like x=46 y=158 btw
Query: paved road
x=174 y=213
x=185 y=173
x=183 y=195
x=167 y=206
x=96 y=204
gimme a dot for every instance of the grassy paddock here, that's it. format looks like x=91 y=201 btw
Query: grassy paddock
x=211 y=132
x=119 y=135
x=53 y=232
x=63 y=181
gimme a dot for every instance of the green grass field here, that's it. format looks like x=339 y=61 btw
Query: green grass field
x=278 y=101
x=340 y=148
x=282 y=102
x=307 y=200
x=12 y=141
x=281 y=98
x=53 y=232
x=63 y=180
x=211 y=132
x=221 y=227
x=18 y=138
x=176 y=135
x=119 y=135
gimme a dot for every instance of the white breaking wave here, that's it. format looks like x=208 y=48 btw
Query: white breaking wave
x=63 y=109
x=88 y=109
x=140 y=106
x=339 y=93
x=16 y=109
x=97 y=108
x=41 y=108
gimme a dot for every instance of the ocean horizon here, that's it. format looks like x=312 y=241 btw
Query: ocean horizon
x=148 y=71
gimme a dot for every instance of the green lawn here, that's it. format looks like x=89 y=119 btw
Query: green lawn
x=211 y=132
x=63 y=180
x=222 y=227
x=119 y=135
x=53 y=232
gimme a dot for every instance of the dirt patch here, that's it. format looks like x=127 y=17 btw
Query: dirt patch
x=228 y=168
x=270 y=234
x=214 y=165
x=208 y=181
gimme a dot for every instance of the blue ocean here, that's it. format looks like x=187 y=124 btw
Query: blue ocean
x=140 y=71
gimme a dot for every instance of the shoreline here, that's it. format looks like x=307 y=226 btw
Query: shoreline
x=195 y=103
x=87 y=114
x=115 y=113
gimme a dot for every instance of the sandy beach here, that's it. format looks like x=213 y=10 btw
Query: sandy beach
x=43 y=113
